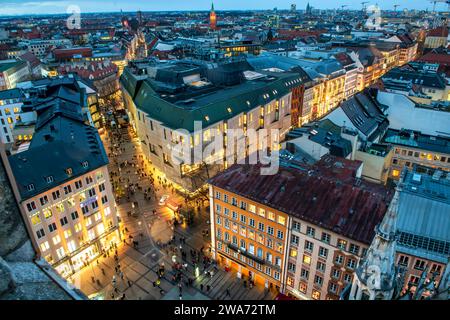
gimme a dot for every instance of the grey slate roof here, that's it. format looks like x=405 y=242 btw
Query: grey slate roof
x=61 y=141
x=418 y=140
x=213 y=104
x=11 y=94
x=365 y=114
x=424 y=217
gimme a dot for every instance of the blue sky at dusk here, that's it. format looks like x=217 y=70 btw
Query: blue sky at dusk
x=14 y=7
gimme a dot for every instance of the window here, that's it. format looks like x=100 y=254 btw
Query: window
x=261 y=226
x=271 y=216
x=67 y=189
x=318 y=280
x=295 y=239
x=270 y=230
x=31 y=206
x=336 y=274
x=315 y=295
x=304 y=273
x=309 y=246
x=306 y=259
x=85 y=164
x=234 y=201
x=280 y=234
x=78 y=184
x=91 y=192
x=47 y=213
x=354 y=249
x=351 y=263
x=293 y=253
x=218 y=208
x=217 y=195
x=56 y=239
x=419 y=264
x=49 y=179
x=74 y=215
x=63 y=221
x=347 y=278
x=67 y=233
x=320 y=266
x=85 y=209
x=262 y=212
x=71 y=246
x=251 y=222
x=52 y=227
x=104 y=199
x=225 y=198
x=342 y=244
x=325 y=237
x=281 y=220
x=332 y=287
x=69 y=171
x=35 y=219
x=291 y=267
x=243 y=205
x=252 y=208
x=89 y=180
x=323 y=252
x=101 y=187
x=403 y=260
x=296 y=226
x=435 y=268
x=234 y=215
x=43 y=200
x=339 y=259
x=56 y=195
x=302 y=287
x=243 y=219
x=45 y=246
x=40 y=233
x=310 y=231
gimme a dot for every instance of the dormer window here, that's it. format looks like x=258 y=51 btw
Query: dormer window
x=207 y=118
x=69 y=171
x=229 y=110
x=50 y=179
x=85 y=164
x=30 y=187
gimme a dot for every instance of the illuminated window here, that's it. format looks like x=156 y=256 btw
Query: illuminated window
x=395 y=173
x=45 y=246
x=72 y=246
x=262 y=212
x=56 y=239
x=252 y=208
x=306 y=259
x=67 y=233
x=78 y=227
x=315 y=295
x=35 y=219
x=281 y=220
x=271 y=216
x=302 y=287
x=293 y=253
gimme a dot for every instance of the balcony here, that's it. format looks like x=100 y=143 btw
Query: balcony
x=246 y=254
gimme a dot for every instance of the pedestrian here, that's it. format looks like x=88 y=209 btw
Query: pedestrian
x=129 y=283
x=201 y=287
x=208 y=287
x=228 y=292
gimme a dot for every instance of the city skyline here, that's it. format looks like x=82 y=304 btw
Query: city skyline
x=26 y=7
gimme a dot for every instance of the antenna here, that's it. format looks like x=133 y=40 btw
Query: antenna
x=364 y=5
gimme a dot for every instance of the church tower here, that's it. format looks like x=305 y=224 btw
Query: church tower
x=212 y=18
x=376 y=275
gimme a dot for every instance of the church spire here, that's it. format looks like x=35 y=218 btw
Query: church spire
x=375 y=276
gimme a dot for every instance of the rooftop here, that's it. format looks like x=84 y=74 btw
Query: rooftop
x=63 y=147
x=327 y=194
x=423 y=218
x=418 y=140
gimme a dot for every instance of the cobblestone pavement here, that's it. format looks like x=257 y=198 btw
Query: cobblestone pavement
x=152 y=233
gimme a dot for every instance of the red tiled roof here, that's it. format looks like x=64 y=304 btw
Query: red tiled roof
x=326 y=194
x=438 y=32
x=93 y=70
x=70 y=52
x=441 y=58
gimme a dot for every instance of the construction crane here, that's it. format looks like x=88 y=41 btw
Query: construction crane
x=364 y=5
x=434 y=2
x=395 y=7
